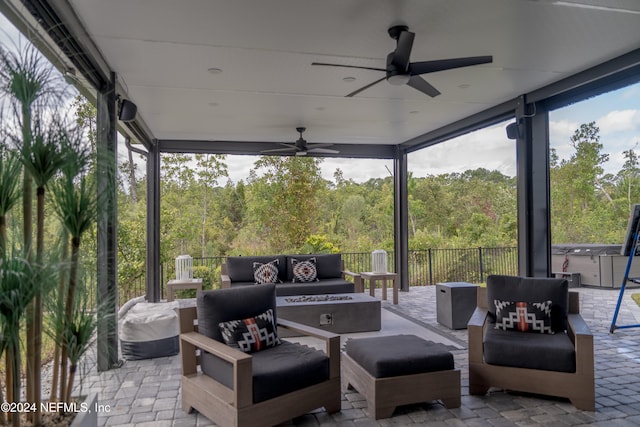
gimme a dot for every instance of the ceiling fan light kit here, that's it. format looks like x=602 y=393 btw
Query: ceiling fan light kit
x=401 y=71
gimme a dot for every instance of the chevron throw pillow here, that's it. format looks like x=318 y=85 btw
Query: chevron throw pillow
x=524 y=316
x=252 y=334
x=304 y=271
x=266 y=273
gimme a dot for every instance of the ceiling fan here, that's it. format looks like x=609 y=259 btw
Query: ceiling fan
x=301 y=148
x=400 y=71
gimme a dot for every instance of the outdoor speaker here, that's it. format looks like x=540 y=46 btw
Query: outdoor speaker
x=513 y=131
x=128 y=111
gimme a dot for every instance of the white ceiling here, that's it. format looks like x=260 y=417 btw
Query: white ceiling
x=161 y=51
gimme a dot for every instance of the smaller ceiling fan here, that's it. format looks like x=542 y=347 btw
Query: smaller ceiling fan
x=400 y=70
x=301 y=148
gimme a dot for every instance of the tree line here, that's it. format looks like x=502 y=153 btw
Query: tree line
x=286 y=206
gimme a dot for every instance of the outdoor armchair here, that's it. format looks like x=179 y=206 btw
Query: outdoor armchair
x=261 y=388
x=527 y=335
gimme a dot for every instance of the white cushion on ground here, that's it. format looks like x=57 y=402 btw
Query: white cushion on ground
x=149 y=325
x=149 y=330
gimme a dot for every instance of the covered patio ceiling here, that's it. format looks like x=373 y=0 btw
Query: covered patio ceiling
x=207 y=74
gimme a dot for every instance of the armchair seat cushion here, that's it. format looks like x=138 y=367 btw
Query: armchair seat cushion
x=276 y=371
x=286 y=368
x=532 y=351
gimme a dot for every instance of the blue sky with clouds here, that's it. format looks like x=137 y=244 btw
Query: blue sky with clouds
x=616 y=113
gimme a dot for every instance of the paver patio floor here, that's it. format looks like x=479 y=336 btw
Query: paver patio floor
x=147 y=392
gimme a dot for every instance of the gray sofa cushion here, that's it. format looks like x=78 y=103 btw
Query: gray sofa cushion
x=276 y=371
x=324 y=286
x=240 y=268
x=329 y=266
x=531 y=289
x=235 y=303
x=526 y=350
x=393 y=356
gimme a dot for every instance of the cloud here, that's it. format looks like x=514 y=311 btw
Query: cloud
x=487 y=148
x=619 y=121
x=631 y=92
x=239 y=166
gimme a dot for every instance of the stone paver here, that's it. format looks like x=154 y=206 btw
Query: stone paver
x=147 y=392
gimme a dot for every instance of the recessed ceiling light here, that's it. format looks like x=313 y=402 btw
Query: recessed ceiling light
x=349 y=79
x=215 y=70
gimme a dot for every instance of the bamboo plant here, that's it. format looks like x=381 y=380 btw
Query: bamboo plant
x=76 y=206
x=17 y=288
x=42 y=161
x=9 y=197
x=28 y=81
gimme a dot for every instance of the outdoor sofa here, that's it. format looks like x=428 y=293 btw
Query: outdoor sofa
x=330 y=277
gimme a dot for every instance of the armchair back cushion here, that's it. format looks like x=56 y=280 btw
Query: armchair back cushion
x=223 y=305
x=532 y=290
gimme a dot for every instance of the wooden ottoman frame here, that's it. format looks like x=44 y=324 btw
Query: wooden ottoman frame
x=385 y=394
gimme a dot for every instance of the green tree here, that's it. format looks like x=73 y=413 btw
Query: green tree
x=628 y=179
x=210 y=169
x=581 y=208
x=283 y=201
x=181 y=222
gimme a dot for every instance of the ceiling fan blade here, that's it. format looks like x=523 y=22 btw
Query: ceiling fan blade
x=423 y=86
x=417 y=68
x=348 y=66
x=321 y=145
x=365 y=87
x=403 y=51
x=323 y=150
x=280 y=150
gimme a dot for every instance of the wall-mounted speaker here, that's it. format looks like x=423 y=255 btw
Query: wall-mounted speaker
x=128 y=111
x=513 y=131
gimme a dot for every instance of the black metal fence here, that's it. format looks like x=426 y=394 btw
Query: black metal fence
x=426 y=267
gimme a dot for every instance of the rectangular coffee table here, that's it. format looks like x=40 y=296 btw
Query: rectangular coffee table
x=358 y=313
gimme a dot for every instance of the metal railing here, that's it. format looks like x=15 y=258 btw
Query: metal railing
x=426 y=267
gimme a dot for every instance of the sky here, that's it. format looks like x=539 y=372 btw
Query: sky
x=616 y=113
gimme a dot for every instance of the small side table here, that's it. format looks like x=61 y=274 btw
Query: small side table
x=173 y=285
x=455 y=303
x=373 y=277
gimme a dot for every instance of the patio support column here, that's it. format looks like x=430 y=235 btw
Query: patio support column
x=534 y=223
x=401 y=218
x=153 y=223
x=107 y=238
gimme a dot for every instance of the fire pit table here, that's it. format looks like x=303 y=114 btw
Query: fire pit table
x=337 y=313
